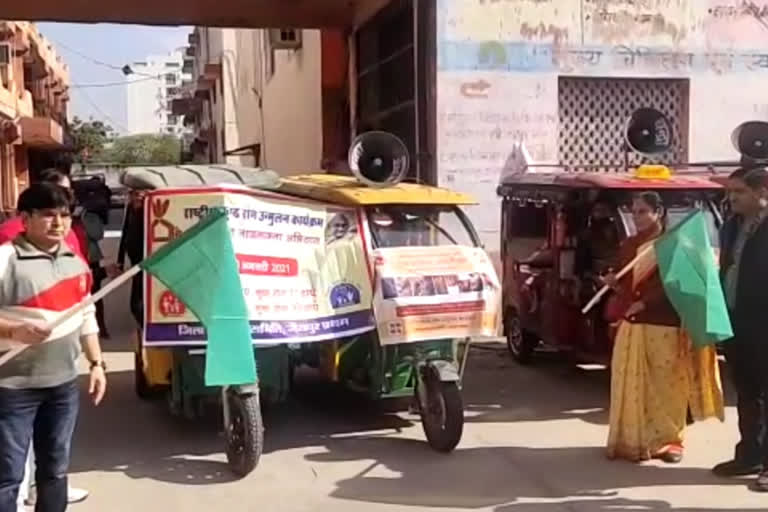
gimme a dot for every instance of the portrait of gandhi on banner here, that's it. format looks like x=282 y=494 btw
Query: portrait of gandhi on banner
x=342 y=226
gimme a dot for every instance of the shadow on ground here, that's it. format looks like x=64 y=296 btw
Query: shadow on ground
x=406 y=472
x=612 y=505
x=142 y=440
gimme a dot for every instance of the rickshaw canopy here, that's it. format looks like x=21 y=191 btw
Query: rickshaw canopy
x=606 y=180
x=160 y=177
x=347 y=191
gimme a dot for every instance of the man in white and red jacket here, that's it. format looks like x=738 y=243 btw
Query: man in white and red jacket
x=40 y=278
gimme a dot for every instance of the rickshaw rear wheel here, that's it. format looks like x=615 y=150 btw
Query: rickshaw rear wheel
x=521 y=344
x=442 y=416
x=244 y=433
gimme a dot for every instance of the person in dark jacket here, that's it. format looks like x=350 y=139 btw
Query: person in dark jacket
x=744 y=274
x=132 y=245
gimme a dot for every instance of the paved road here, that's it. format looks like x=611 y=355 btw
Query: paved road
x=533 y=442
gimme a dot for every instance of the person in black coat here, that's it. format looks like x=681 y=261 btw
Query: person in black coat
x=132 y=245
x=744 y=275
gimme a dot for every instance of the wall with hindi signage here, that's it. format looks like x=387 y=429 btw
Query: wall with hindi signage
x=499 y=62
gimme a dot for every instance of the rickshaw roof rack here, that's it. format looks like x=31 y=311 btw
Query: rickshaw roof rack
x=690 y=176
x=180 y=176
x=346 y=190
x=712 y=167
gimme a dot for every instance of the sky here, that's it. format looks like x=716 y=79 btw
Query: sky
x=115 y=45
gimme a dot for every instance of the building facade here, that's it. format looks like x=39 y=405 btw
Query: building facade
x=151 y=85
x=255 y=98
x=34 y=93
x=563 y=77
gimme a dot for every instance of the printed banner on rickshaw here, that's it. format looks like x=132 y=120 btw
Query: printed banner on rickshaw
x=302 y=264
x=425 y=293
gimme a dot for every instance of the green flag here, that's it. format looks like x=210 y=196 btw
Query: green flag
x=687 y=266
x=200 y=268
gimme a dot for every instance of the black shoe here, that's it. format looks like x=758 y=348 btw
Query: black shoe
x=761 y=484
x=737 y=468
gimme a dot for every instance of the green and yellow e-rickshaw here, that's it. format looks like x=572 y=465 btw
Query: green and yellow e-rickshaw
x=395 y=288
x=435 y=288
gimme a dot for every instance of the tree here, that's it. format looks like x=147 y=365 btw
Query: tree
x=145 y=149
x=89 y=138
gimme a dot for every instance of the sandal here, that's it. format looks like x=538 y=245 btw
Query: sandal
x=672 y=454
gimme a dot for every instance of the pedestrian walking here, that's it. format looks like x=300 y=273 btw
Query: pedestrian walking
x=40 y=277
x=744 y=249
x=76 y=240
x=656 y=375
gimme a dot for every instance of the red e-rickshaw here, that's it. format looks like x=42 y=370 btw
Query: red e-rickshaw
x=561 y=231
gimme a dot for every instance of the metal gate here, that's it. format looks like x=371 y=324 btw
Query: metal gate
x=593 y=113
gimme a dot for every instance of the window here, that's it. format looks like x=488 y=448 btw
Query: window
x=527 y=228
x=592 y=114
x=173 y=119
x=5 y=54
x=172 y=91
x=170 y=79
x=172 y=65
x=400 y=226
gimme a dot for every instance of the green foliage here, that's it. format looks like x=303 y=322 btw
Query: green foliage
x=89 y=139
x=144 y=149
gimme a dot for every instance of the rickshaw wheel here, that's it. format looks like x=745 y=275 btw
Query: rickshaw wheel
x=442 y=416
x=520 y=344
x=245 y=433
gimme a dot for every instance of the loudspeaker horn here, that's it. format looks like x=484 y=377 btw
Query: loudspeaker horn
x=648 y=132
x=378 y=159
x=750 y=139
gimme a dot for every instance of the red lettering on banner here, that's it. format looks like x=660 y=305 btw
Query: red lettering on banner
x=441 y=309
x=170 y=305
x=267 y=266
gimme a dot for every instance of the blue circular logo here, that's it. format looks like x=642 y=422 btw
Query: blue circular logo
x=344 y=295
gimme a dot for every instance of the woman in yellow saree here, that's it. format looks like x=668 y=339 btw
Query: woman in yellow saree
x=656 y=375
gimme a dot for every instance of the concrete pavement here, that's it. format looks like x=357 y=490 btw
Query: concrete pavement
x=533 y=442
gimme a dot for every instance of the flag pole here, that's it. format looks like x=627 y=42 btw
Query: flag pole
x=93 y=299
x=629 y=266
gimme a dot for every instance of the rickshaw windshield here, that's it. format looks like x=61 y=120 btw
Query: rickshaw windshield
x=401 y=226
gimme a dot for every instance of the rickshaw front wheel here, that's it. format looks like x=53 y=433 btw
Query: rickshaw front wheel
x=442 y=416
x=520 y=343
x=244 y=432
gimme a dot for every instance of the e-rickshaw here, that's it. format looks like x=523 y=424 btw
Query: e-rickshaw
x=396 y=214
x=391 y=215
x=562 y=227
x=560 y=232
x=178 y=372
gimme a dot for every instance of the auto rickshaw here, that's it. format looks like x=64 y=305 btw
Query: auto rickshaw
x=560 y=232
x=403 y=216
x=178 y=372
x=562 y=227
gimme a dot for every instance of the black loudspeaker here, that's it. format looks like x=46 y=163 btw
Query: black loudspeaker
x=648 y=132
x=378 y=159
x=751 y=141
